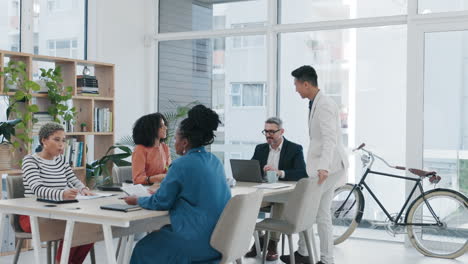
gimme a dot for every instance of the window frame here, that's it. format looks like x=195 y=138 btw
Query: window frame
x=241 y=93
x=26 y=32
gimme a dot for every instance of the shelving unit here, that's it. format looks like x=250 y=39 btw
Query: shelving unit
x=85 y=105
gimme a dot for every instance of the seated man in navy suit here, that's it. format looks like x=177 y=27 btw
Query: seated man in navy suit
x=287 y=160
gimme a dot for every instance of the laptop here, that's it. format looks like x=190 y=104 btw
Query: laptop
x=246 y=170
x=116 y=187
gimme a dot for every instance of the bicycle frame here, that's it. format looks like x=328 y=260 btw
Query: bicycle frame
x=417 y=184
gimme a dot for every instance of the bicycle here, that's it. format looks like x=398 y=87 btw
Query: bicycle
x=436 y=221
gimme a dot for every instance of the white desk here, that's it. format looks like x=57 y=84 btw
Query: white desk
x=96 y=224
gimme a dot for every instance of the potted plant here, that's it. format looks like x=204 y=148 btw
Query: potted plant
x=58 y=95
x=7 y=129
x=83 y=127
x=19 y=105
x=97 y=172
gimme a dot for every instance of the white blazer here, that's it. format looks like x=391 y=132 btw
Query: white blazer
x=326 y=151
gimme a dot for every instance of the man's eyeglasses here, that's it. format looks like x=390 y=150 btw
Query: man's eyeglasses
x=271 y=132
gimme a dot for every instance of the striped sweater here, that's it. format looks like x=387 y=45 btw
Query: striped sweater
x=48 y=178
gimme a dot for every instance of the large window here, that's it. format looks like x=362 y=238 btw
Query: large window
x=300 y=11
x=191 y=15
x=371 y=96
x=435 y=6
x=359 y=49
x=10 y=25
x=59 y=28
x=446 y=107
x=233 y=88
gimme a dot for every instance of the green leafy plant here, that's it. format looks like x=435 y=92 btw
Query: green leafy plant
x=58 y=95
x=19 y=105
x=100 y=167
x=7 y=129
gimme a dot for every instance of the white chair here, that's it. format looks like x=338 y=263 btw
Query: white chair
x=15 y=189
x=232 y=234
x=297 y=217
x=121 y=174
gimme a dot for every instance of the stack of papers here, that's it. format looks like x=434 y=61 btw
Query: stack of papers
x=272 y=185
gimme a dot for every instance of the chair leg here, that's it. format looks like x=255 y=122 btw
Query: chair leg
x=118 y=247
x=19 y=244
x=54 y=250
x=309 y=248
x=291 y=250
x=282 y=243
x=92 y=255
x=265 y=246
x=49 y=253
x=257 y=243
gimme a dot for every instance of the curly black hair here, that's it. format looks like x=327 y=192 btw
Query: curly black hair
x=198 y=128
x=146 y=128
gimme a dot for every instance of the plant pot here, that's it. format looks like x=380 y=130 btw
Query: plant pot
x=5 y=156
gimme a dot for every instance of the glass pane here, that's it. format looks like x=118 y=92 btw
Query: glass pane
x=192 y=15
x=59 y=28
x=10 y=25
x=220 y=88
x=372 y=101
x=299 y=11
x=252 y=95
x=446 y=107
x=434 y=6
x=235 y=88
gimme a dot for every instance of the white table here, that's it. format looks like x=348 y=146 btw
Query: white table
x=111 y=223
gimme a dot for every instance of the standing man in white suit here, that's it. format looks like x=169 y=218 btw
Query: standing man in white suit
x=326 y=161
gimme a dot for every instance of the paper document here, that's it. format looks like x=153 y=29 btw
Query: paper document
x=137 y=190
x=272 y=185
x=89 y=197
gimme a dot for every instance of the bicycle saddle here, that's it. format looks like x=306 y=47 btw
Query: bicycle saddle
x=422 y=173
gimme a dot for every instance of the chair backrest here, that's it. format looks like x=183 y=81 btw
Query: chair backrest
x=233 y=232
x=15 y=189
x=121 y=174
x=301 y=208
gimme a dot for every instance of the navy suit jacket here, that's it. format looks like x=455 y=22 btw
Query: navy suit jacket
x=291 y=160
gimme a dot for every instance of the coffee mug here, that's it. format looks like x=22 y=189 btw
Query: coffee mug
x=271 y=176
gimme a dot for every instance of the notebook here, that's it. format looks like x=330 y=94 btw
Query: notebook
x=121 y=207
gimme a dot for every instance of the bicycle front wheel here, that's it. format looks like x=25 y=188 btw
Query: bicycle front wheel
x=446 y=238
x=346 y=212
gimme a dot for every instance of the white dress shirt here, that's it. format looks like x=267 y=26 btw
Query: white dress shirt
x=274 y=157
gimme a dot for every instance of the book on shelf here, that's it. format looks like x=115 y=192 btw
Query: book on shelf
x=85 y=77
x=88 y=89
x=74 y=152
x=102 y=120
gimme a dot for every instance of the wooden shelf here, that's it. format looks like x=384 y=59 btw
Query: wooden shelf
x=84 y=105
x=96 y=98
x=11 y=171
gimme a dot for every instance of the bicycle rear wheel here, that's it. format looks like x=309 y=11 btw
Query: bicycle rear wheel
x=346 y=212
x=450 y=238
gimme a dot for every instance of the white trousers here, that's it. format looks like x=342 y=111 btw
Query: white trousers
x=323 y=219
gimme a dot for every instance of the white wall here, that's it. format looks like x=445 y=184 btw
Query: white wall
x=117 y=30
